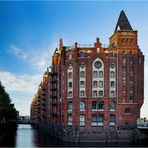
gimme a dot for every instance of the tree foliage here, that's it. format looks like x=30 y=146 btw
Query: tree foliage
x=7 y=109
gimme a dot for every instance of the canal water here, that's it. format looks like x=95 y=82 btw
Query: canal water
x=27 y=136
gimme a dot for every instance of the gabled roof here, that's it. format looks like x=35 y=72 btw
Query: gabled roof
x=56 y=51
x=123 y=23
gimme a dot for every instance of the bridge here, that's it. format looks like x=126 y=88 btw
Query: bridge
x=142 y=131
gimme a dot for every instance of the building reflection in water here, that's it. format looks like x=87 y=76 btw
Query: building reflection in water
x=27 y=136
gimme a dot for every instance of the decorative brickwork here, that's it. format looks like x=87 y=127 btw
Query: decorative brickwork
x=93 y=93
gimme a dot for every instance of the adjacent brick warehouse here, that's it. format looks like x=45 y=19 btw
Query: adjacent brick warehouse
x=93 y=92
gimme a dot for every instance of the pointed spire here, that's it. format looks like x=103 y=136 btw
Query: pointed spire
x=61 y=43
x=123 y=23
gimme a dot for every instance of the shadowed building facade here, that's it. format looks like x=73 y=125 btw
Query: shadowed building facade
x=95 y=92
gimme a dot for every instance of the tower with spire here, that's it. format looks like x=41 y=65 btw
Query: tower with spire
x=93 y=92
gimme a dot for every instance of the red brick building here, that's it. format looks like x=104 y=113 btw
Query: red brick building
x=96 y=92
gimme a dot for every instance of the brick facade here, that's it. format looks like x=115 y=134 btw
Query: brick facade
x=93 y=92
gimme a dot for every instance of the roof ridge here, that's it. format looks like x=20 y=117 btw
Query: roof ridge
x=123 y=23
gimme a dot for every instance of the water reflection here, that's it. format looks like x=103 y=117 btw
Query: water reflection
x=26 y=136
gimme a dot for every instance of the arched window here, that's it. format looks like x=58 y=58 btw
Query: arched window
x=82 y=80
x=70 y=80
x=98 y=78
x=70 y=56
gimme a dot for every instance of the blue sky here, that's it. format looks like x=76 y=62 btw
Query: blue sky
x=30 y=31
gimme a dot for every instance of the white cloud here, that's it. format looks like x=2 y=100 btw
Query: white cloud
x=39 y=59
x=20 y=83
x=18 y=52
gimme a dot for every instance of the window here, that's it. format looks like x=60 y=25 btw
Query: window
x=95 y=84
x=98 y=64
x=70 y=84
x=112 y=118
x=70 y=106
x=94 y=118
x=94 y=105
x=140 y=60
x=95 y=74
x=112 y=93
x=127 y=110
x=124 y=60
x=131 y=88
x=100 y=74
x=97 y=118
x=69 y=119
x=112 y=84
x=131 y=59
x=100 y=93
x=82 y=93
x=100 y=84
x=69 y=67
x=82 y=74
x=70 y=94
x=70 y=56
x=112 y=66
x=70 y=75
x=123 y=53
x=112 y=105
x=131 y=79
x=97 y=105
x=82 y=83
x=131 y=99
x=131 y=68
x=123 y=69
x=82 y=119
x=82 y=106
x=82 y=65
x=123 y=80
x=95 y=93
x=112 y=74
x=123 y=41
x=82 y=54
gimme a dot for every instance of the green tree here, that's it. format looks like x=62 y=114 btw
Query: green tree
x=7 y=110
